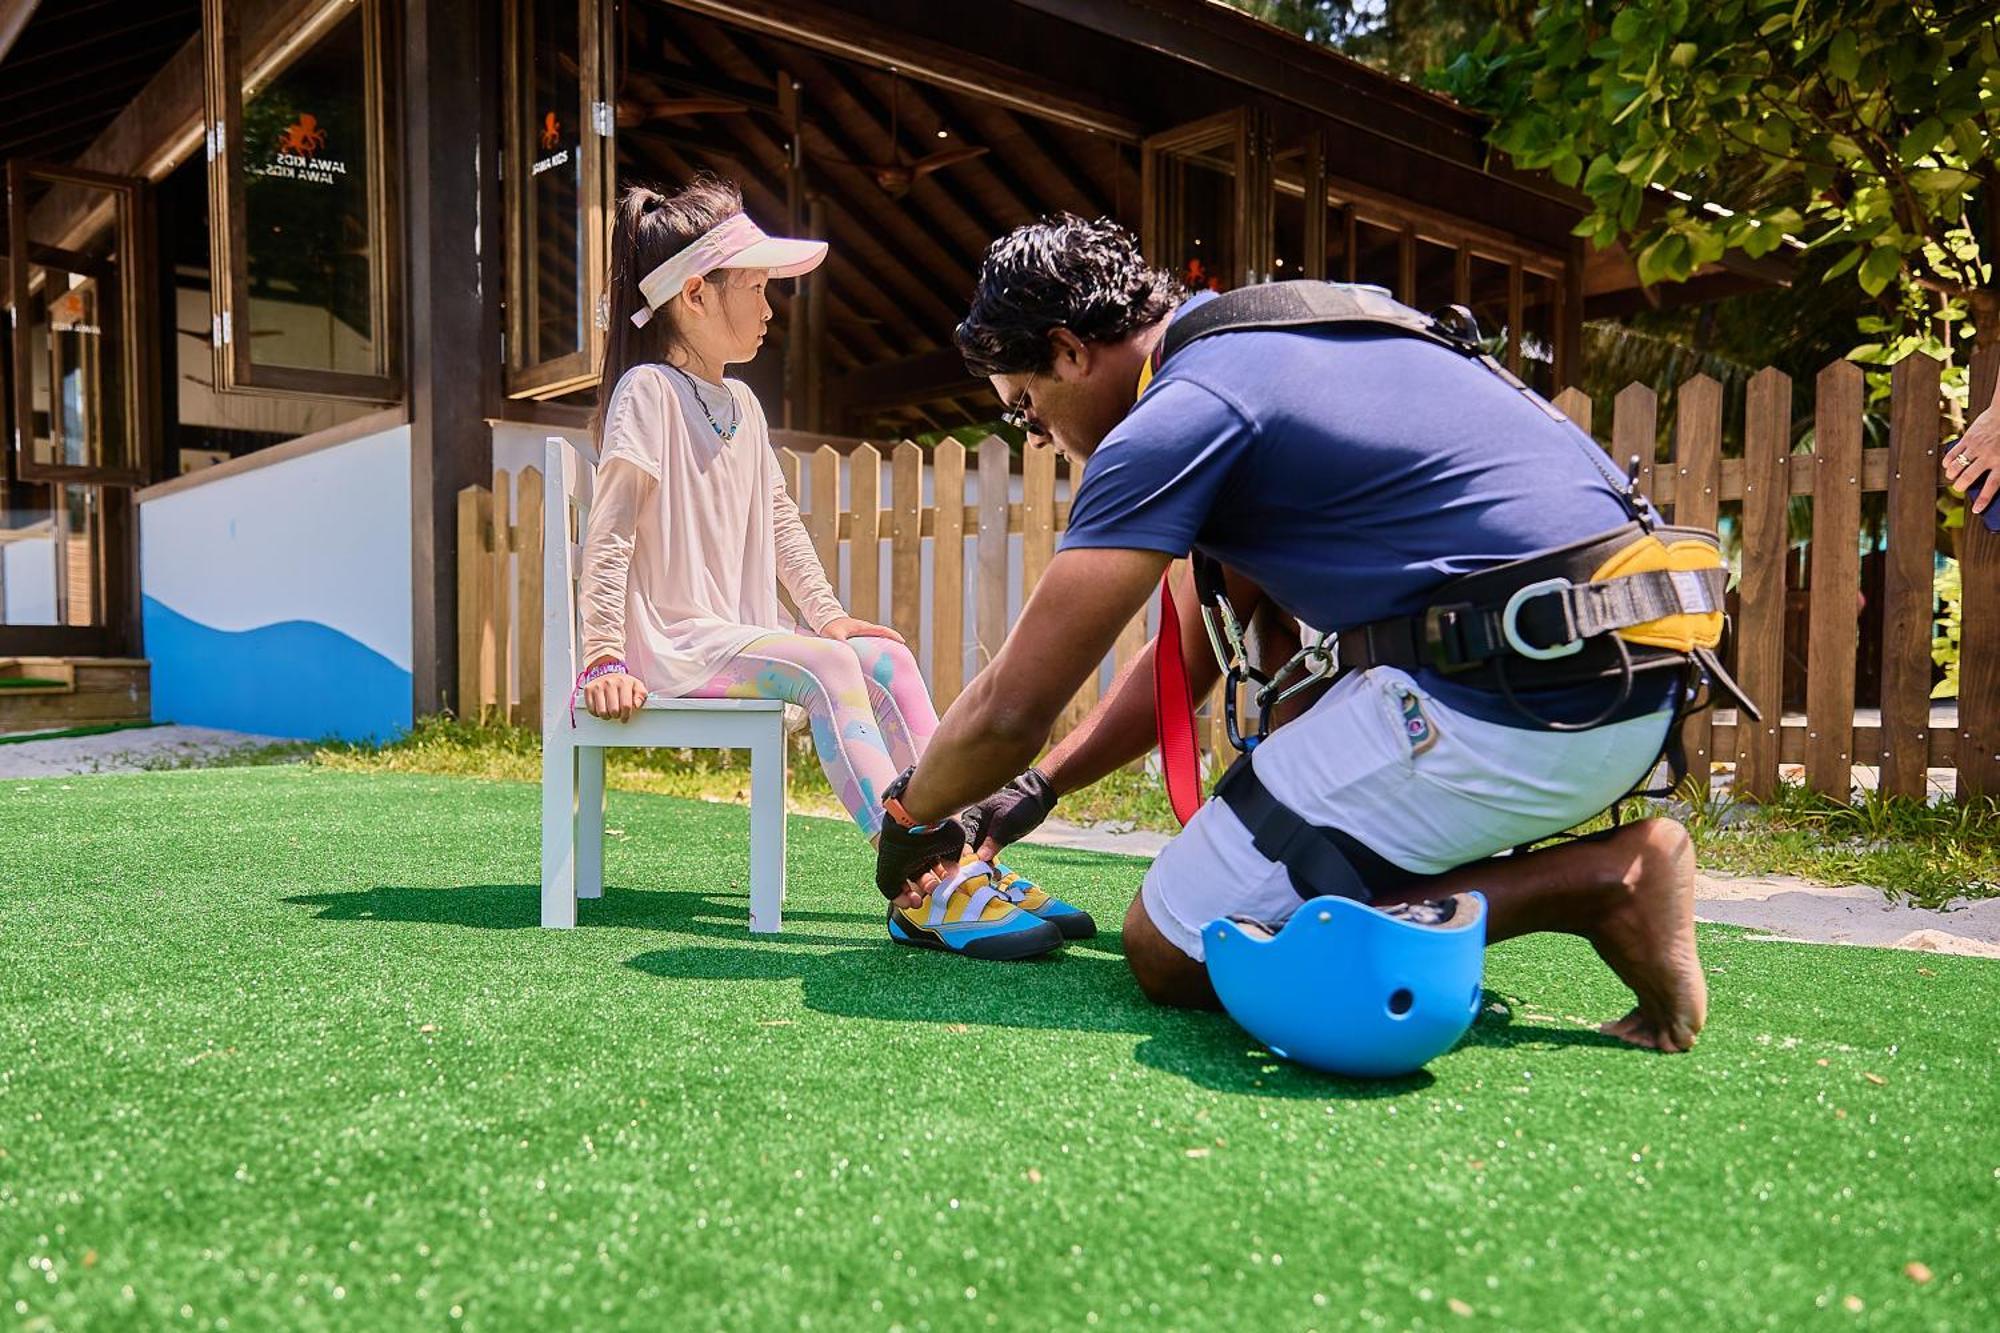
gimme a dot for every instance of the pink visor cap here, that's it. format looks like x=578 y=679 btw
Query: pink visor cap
x=735 y=242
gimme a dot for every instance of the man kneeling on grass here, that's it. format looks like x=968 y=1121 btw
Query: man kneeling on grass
x=1343 y=473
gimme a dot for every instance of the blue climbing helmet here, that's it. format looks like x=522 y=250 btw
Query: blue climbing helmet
x=1352 y=989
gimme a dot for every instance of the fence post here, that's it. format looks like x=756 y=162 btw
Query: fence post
x=948 y=572
x=1087 y=693
x=501 y=588
x=995 y=464
x=864 y=543
x=1038 y=514
x=1760 y=621
x=1574 y=403
x=475 y=522
x=1698 y=486
x=1833 y=617
x=1979 y=644
x=906 y=546
x=823 y=520
x=1908 y=586
x=1635 y=417
x=529 y=525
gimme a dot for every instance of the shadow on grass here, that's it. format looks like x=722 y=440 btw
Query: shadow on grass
x=1085 y=988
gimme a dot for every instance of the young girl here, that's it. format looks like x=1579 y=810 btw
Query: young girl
x=692 y=530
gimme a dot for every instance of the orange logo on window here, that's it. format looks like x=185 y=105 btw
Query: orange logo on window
x=303 y=136
x=551 y=131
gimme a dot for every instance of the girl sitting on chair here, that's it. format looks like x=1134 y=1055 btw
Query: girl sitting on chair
x=692 y=529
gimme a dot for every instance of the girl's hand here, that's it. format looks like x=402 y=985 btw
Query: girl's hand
x=616 y=695
x=847 y=627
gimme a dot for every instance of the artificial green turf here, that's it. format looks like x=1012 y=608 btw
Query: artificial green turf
x=285 y=1048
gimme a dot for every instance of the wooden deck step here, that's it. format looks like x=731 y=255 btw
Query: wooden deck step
x=39 y=693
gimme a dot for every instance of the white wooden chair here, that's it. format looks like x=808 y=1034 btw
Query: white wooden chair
x=573 y=756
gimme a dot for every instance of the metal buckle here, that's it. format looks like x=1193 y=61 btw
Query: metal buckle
x=1510 y=628
x=1447 y=657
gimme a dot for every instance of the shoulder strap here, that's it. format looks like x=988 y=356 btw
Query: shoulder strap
x=1305 y=303
x=1309 y=303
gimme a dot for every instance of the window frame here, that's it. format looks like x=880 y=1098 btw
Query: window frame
x=597 y=145
x=134 y=273
x=229 y=266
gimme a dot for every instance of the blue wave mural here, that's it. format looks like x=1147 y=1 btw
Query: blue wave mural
x=296 y=679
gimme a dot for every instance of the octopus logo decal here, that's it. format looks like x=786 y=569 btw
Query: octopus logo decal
x=303 y=136
x=551 y=131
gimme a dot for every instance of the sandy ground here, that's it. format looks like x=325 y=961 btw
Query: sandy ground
x=1779 y=907
x=122 y=751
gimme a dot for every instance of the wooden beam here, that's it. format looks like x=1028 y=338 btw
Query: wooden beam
x=971 y=212
x=14 y=16
x=720 y=45
x=1058 y=160
x=824 y=27
x=855 y=251
x=924 y=378
x=839 y=259
x=450 y=119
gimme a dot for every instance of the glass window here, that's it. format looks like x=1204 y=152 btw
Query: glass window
x=1437 y=275
x=1288 y=215
x=1490 y=281
x=1378 y=256
x=1339 y=243
x=80 y=410
x=50 y=571
x=303 y=238
x=1538 y=331
x=1191 y=203
x=558 y=197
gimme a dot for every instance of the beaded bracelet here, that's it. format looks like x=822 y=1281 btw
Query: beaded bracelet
x=614 y=667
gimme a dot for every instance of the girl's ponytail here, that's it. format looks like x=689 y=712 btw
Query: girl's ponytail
x=647 y=229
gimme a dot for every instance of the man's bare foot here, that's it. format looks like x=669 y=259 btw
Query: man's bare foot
x=1647 y=938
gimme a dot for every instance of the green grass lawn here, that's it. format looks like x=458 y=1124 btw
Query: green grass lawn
x=285 y=1048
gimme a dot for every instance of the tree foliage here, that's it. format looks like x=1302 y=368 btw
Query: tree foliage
x=1867 y=127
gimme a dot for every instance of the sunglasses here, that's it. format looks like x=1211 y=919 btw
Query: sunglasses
x=1020 y=414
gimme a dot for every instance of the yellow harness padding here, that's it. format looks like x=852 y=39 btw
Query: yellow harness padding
x=1682 y=632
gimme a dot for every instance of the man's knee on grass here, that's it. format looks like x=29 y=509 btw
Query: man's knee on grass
x=1164 y=973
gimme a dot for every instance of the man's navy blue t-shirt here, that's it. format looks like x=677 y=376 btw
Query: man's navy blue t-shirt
x=1347 y=473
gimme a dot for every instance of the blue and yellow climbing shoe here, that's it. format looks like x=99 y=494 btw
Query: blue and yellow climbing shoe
x=968 y=915
x=1018 y=889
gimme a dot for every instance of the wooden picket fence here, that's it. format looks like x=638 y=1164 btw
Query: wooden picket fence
x=500 y=570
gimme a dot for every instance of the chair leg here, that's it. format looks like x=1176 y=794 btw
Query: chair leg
x=767 y=832
x=590 y=822
x=558 y=832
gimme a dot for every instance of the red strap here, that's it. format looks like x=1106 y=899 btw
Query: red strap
x=1173 y=711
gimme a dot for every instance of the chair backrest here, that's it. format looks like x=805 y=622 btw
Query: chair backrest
x=567 y=481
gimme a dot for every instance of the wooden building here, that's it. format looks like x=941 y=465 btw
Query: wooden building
x=287 y=274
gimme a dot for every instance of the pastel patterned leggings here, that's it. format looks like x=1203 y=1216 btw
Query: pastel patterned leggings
x=870 y=711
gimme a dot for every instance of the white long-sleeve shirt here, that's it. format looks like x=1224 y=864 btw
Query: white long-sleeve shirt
x=690 y=534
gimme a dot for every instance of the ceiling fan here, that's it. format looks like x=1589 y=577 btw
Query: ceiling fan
x=896 y=177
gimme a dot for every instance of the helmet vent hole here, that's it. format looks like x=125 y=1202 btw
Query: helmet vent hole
x=1400 y=1001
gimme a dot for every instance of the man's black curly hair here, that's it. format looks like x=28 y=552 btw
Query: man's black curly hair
x=1061 y=272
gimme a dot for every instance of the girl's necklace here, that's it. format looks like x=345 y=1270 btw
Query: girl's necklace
x=736 y=408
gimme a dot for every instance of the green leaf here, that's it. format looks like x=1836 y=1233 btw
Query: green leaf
x=1629 y=27
x=1843 y=55
x=1880 y=268
x=1941 y=181
x=1683 y=54
x=1664 y=260
x=1928 y=134
x=1847 y=261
